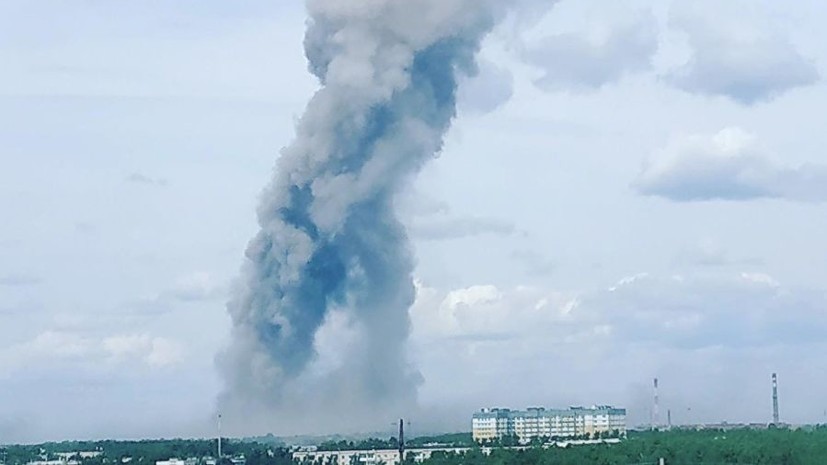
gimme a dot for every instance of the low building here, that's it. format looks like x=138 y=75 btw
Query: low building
x=66 y=456
x=496 y=423
x=175 y=461
x=370 y=457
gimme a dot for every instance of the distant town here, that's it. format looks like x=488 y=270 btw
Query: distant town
x=601 y=429
x=569 y=432
x=758 y=444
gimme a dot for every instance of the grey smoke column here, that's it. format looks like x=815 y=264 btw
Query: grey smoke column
x=329 y=238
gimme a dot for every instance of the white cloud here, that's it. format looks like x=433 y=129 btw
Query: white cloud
x=60 y=345
x=728 y=165
x=728 y=327
x=126 y=346
x=52 y=349
x=625 y=281
x=163 y=353
x=155 y=352
x=738 y=60
x=471 y=296
x=760 y=278
x=486 y=312
x=699 y=311
x=591 y=59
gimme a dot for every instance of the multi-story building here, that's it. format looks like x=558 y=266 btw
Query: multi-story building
x=492 y=423
x=489 y=424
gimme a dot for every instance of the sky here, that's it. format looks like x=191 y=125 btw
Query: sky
x=630 y=190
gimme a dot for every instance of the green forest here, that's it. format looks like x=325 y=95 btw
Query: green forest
x=677 y=447
x=147 y=452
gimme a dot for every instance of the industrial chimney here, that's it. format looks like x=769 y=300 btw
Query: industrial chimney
x=219 y=438
x=655 y=407
x=401 y=441
x=774 y=399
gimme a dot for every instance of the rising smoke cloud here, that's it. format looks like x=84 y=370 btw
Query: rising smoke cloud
x=330 y=242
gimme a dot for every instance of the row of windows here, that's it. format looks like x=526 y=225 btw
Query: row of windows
x=527 y=427
x=545 y=417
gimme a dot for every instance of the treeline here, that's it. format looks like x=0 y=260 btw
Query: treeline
x=364 y=444
x=147 y=452
x=514 y=440
x=442 y=440
x=677 y=447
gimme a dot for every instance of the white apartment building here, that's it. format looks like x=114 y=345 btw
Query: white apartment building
x=489 y=424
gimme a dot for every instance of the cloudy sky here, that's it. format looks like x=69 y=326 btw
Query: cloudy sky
x=631 y=190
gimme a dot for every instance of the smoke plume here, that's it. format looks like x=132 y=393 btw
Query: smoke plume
x=330 y=242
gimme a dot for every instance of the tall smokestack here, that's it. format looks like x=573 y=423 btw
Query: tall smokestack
x=219 y=436
x=775 y=420
x=655 y=407
x=401 y=441
x=330 y=240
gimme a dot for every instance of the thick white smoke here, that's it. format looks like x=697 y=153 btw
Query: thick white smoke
x=330 y=242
